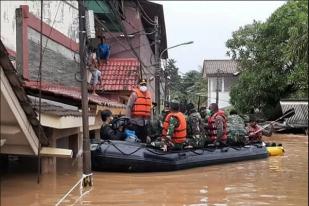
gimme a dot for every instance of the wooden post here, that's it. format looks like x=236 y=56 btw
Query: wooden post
x=158 y=66
x=86 y=143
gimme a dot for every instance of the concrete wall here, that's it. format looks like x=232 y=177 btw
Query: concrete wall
x=66 y=20
x=120 y=47
x=224 y=90
x=59 y=64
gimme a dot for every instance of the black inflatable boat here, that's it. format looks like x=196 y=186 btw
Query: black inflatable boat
x=126 y=156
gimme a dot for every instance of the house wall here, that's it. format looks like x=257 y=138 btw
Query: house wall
x=225 y=84
x=120 y=47
x=59 y=64
x=66 y=20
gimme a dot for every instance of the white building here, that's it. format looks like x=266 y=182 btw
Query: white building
x=225 y=71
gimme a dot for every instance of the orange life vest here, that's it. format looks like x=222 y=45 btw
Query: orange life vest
x=180 y=132
x=212 y=129
x=142 y=104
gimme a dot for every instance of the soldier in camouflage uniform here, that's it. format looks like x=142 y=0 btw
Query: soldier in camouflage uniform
x=196 y=128
x=236 y=129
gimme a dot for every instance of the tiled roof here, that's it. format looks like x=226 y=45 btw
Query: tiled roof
x=224 y=66
x=119 y=74
x=71 y=92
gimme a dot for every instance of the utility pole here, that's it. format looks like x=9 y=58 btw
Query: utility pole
x=217 y=88
x=158 y=65
x=165 y=85
x=87 y=181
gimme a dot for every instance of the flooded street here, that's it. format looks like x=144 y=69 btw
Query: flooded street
x=281 y=180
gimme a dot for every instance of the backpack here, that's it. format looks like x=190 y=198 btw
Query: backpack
x=194 y=124
x=236 y=129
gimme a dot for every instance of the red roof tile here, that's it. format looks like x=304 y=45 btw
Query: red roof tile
x=72 y=92
x=119 y=74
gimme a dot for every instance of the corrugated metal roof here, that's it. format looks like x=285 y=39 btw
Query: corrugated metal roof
x=71 y=92
x=20 y=93
x=119 y=74
x=300 y=119
x=56 y=110
x=224 y=66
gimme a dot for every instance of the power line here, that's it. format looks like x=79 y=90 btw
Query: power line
x=40 y=89
x=126 y=37
x=130 y=44
x=52 y=26
x=146 y=17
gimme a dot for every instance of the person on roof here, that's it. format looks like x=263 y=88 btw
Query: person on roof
x=174 y=132
x=255 y=131
x=139 y=110
x=103 y=51
x=93 y=66
x=217 y=125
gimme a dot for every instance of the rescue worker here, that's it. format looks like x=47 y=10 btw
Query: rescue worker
x=203 y=112
x=236 y=129
x=217 y=125
x=174 y=132
x=255 y=131
x=196 y=131
x=139 y=110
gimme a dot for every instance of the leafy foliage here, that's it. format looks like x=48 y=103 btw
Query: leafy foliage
x=186 y=88
x=273 y=58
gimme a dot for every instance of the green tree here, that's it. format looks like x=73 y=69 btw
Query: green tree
x=174 y=79
x=273 y=59
x=188 y=87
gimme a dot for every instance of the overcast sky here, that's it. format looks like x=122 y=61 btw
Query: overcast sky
x=209 y=24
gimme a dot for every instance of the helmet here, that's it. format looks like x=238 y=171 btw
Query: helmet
x=174 y=105
x=142 y=82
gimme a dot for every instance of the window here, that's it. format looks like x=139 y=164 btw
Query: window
x=214 y=84
x=228 y=83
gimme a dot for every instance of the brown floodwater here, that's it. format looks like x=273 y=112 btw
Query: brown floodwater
x=281 y=180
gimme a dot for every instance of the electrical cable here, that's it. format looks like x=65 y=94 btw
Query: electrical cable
x=52 y=26
x=40 y=92
x=130 y=44
x=146 y=17
x=126 y=37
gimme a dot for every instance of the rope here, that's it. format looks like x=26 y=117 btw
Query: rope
x=82 y=195
x=128 y=154
x=77 y=183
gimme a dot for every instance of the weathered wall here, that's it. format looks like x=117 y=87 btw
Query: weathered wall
x=120 y=47
x=224 y=92
x=66 y=20
x=59 y=64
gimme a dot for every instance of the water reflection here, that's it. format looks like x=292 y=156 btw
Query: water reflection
x=281 y=180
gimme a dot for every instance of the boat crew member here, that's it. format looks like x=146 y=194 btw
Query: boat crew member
x=196 y=132
x=255 y=131
x=236 y=129
x=217 y=125
x=174 y=132
x=106 y=131
x=139 y=110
